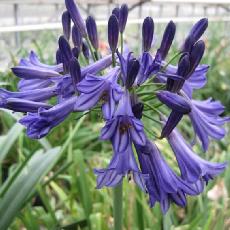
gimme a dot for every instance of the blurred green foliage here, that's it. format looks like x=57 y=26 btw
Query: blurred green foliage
x=49 y=184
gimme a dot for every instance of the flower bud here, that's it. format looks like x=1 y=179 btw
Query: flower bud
x=92 y=31
x=147 y=33
x=113 y=32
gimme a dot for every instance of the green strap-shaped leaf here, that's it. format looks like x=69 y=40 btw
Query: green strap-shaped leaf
x=37 y=167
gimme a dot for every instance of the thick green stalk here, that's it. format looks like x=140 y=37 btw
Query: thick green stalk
x=90 y=48
x=117 y=207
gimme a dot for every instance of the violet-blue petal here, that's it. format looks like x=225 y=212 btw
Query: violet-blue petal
x=28 y=72
x=122 y=164
x=163 y=184
x=39 y=124
x=192 y=167
x=174 y=101
x=22 y=105
x=75 y=71
x=85 y=50
x=207 y=122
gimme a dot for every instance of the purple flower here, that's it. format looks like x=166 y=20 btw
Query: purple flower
x=85 y=50
x=92 y=31
x=123 y=128
x=22 y=105
x=76 y=16
x=122 y=164
x=192 y=167
x=147 y=34
x=66 y=24
x=33 y=95
x=113 y=32
x=129 y=69
x=206 y=120
x=39 y=124
x=34 y=72
x=179 y=106
x=94 y=88
x=163 y=184
x=116 y=12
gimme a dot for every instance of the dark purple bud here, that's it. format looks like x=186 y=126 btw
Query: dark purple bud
x=76 y=52
x=76 y=37
x=66 y=24
x=195 y=56
x=116 y=12
x=85 y=50
x=113 y=32
x=173 y=120
x=132 y=71
x=123 y=15
x=195 y=33
x=174 y=101
x=147 y=33
x=182 y=71
x=59 y=57
x=76 y=16
x=65 y=49
x=75 y=71
x=92 y=31
x=167 y=40
x=137 y=110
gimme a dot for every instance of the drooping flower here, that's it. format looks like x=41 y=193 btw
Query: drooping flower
x=206 y=120
x=122 y=164
x=124 y=128
x=39 y=124
x=179 y=106
x=94 y=88
x=192 y=167
x=163 y=185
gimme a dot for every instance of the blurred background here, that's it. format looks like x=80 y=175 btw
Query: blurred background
x=58 y=192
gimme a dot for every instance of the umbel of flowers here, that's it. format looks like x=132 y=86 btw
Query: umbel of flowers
x=113 y=83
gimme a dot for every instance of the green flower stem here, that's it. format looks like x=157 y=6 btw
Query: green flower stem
x=117 y=207
x=90 y=48
x=113 y=59
x=122 y=41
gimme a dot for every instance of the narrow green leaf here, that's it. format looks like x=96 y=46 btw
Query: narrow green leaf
x=36 y=168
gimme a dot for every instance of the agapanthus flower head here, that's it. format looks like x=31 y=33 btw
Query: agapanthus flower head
x=115 y=84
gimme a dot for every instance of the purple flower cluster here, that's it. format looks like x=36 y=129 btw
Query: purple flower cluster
x=113 y=82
